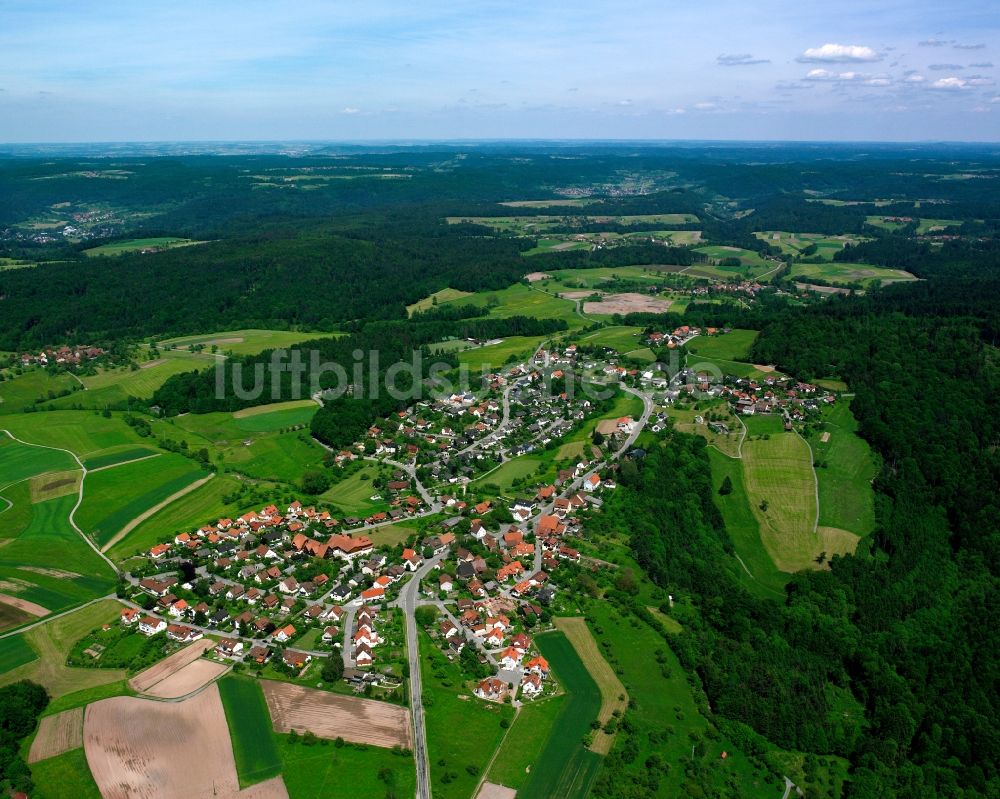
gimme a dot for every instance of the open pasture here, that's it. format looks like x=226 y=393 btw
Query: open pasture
x=84 y=433
x=269 y=418
x=520 y=749
x=328 y=715
x=18 y=392
x=613 y=696
x=617 y=337
x=732 y=346
x=444 y=295
x=493 y=356
x=520 y=300
x=842 y=274
x=138 y=245
x=794 y=243
x=541 y=224
x=20 y=461
x=243 y=342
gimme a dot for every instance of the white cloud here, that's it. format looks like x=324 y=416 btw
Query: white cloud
x=350 y=110
x=826 y=76
x=740 y=60
x=980 y=80
x=914 y=77
x=950 y=84
x=839 y=54
x=705 y=106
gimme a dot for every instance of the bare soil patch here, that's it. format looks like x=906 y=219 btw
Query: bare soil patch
x=579 y=295
x=765 y=368
x=533 y=277
x=825 y=437
x=490 y=790
x=140 y=749
x=23 y=604
x=607 y=426
x=59 y=574
x=151 y=364
x=626 y=303
x=158 y=672
x=57 y=734
x=188 y=679
x=327 y=715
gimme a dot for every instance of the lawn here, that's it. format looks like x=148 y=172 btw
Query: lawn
x=114 y=497
x=65 y=776
x=847 y=468
x=717 y=367
x=134 y=245
x=518 y=468
x=244 y=342
x=22 y=390
x=732 y=346
x=352 y=495
x=839 y=274
x=525 y=740
x=257 y=756
x=201 y=506
x=462 y=731
x=565 y=767
x=327 y=771
x=52 y=642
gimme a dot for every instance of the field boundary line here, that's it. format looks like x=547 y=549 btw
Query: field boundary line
x=128 y=528
x=125 y=463
x=79 y=498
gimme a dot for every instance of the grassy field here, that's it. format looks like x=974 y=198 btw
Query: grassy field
x=665 y=704
x=728 y=444
x=704 y=364
x=327 y=771
x=525 y=741
x=842 y=274
x=620 y=338
x=556 y=203
x=732 y=346
x=565 y=767
x=352 y=494
x=794 y=243
x=847 y=468
x=257 y=756
x=494 y=356
x=14 y=652
x=20 y=461
x=113 y=497
x=520 y=300
x=268 y=418
x=52 y=642
x=778 y=470
x=201 y=506
x=20 y=391
x=539 y=225
x=121 y=456
x=85 y=433
x=133 y=245
x=444 y=295
x=613 y=696
x=757 y=573
x=517 y=468
x=244 y=342
x=462 y=731
x=66 y=776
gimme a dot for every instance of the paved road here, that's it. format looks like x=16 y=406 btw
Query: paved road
x=408 y=599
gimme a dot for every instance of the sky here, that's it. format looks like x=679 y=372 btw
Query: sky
x=215 y=70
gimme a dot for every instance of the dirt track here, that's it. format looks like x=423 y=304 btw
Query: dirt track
x=145 y=680
x=128 y=528
x=57 y=734
x=190 y=678
x=141 y=749
x=626 y=304
x=331 y=715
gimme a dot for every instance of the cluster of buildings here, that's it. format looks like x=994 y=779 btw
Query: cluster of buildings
x=63 y=356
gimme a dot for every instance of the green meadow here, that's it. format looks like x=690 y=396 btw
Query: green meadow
x=733 y=346
x=243 y=342
x=838 y=273
x=254 y=748
x=18 y=392
x=135 y=245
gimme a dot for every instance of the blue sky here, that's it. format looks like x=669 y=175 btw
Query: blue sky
x=144 y=70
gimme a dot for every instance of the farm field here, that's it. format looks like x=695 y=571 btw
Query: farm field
x=540 y=224
x=122 y=456
x=268 y=418
x=574 y=202
x=134 y=745
x=520 y=300
x=462 y=731
x=525 y=741
x=602 y=277
x=11 y=616
x=14 y=652
x=114 y=497
x=243 y=342
x=254 y=746
x=66 y=776
x=326 y=771
x=444 y=295
x=566 y=768
x=747 y=258
x=84 y=433
x=56 y=734
x=617 y=337
x=625 y=303
x=494 y=356
x=179 y=673
x=328 y=715
x=705 y=364
x=794 y=243
x=732 y=346
x=756 y=571
x=613 y=696
x=19 y=461
x=51 y=642
x=847 y=468
x=22 y=390
x=842 y=274
x=779 y=471
x=134 y=245
x=517 y=468
x=202 y=505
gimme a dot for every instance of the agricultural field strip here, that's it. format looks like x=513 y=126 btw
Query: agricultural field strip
x=145 y=680
x=56 y=734
x=79 y=499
